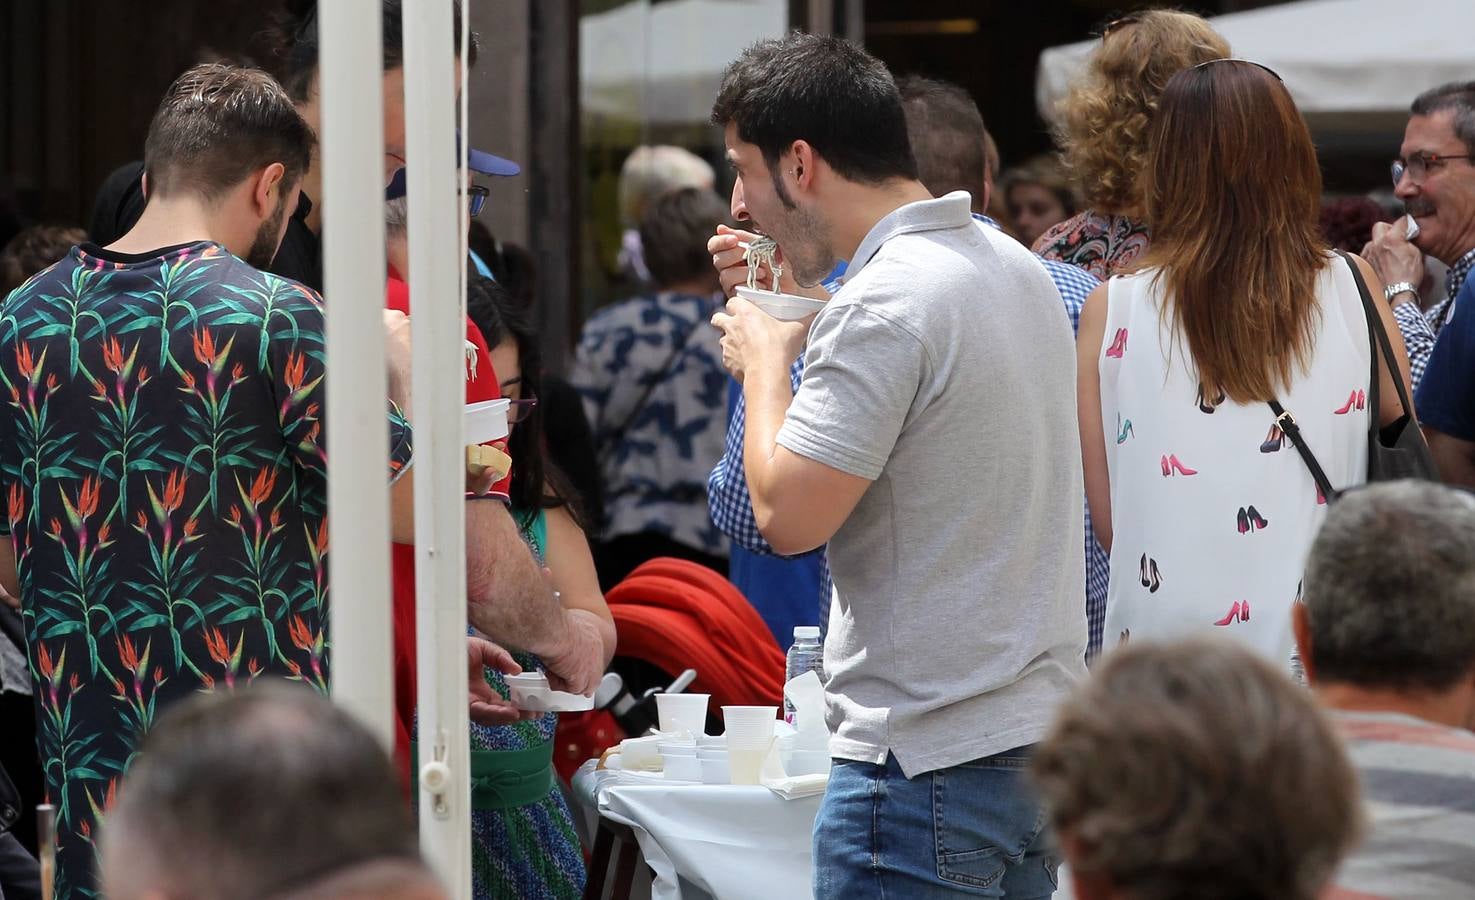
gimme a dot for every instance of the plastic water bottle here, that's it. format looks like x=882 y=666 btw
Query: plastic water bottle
x=806 y=654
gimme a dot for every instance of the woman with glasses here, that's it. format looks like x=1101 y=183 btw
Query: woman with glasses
x=531 y=850
x=1196 y=490
x=1103 y=125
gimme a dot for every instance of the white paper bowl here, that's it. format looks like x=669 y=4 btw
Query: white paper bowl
x=485 y=421
x=641 y=753
x=530 y=691
x=788 y=307
x=715 y=770
x=683 y=768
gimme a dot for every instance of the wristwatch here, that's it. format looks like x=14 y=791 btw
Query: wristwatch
x=1400 y=287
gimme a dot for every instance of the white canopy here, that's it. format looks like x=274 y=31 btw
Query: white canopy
x=1348 y=62
x=663 y=62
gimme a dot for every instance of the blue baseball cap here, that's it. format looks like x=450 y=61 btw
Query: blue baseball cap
x=477 y=160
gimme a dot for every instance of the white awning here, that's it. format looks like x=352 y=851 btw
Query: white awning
x=1343 y=60
x=663 y=62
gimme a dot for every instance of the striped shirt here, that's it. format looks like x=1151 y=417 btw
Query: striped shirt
x=1418 y=780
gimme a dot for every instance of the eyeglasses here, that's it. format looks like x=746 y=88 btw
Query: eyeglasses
x=476 y=199
x=1417 y=166
x=520 y=410
x=1231 y=59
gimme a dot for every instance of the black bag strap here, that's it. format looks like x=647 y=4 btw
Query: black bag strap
x=1379 y=344
x=1287 y=423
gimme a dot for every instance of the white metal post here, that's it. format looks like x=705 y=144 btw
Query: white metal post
x=439 y=387
x=352 y=160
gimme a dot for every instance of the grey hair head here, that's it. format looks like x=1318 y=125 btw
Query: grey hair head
x=1457 y=97
x=1390 y=588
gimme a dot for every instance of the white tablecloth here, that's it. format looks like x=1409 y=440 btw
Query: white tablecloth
x=727 y=842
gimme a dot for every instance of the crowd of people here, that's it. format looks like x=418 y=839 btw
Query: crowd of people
x=1117 y=406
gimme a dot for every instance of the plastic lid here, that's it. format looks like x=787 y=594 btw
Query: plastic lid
x=806 y=632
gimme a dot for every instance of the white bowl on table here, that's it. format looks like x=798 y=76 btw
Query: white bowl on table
x=786 y=307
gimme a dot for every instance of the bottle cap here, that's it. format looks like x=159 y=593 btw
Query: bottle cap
x=806 y=632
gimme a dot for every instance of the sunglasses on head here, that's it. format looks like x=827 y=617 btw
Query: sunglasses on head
x=1249 y=62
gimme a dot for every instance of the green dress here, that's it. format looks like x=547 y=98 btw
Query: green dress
x=529 y=851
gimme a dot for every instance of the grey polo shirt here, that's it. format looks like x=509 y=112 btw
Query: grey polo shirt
x=944 y=372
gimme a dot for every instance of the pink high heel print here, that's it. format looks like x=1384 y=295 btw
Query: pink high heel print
x=1118 y=344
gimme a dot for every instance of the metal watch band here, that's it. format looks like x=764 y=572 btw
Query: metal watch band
x=1400 y=287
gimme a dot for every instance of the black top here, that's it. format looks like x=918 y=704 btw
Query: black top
x=120 y=202
x=300 y=257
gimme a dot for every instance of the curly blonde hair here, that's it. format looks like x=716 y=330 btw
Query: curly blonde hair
x=1103 y=121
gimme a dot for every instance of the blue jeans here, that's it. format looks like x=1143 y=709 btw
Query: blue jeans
x=973 y=830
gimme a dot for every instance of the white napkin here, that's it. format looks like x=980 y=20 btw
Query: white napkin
x=772 y=777
x=808 y=697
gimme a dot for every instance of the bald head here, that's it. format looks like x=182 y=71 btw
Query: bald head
x=248 y=795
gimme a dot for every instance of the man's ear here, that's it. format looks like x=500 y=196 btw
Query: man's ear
x=143 y=184
x=267 y=189
x=1301 y=628
x=803 y=164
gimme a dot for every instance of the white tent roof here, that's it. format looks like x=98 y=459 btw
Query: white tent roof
x=1338 y=57
x=663 y=62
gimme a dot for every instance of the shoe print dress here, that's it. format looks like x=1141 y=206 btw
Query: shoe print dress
x=1213 y=511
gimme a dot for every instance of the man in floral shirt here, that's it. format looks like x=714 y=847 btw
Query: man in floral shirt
x=161 y=450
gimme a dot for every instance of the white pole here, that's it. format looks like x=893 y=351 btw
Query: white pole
x=352 y=159
x=439 y=389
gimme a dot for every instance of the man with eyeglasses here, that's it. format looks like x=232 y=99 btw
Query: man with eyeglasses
x=1435 y=179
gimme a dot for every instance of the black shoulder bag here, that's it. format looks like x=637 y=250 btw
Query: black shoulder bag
x=1394 y=451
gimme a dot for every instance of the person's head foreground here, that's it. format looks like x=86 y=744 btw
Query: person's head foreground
x=258 y=793
x=1388 y=613
x=810 y=122
x=228 y=141
x=1196 y=770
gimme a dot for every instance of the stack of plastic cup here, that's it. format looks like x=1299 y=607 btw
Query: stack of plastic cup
x=683 y=713
x=749 y=737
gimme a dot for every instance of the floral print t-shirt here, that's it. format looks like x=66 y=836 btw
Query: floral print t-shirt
x=163 y=465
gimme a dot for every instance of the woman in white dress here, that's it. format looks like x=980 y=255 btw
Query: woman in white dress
x=1202 y=502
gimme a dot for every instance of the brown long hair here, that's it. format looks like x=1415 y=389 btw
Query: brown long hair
x=1233 y=193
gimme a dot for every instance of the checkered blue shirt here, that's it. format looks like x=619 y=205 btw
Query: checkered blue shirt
x=732 y=506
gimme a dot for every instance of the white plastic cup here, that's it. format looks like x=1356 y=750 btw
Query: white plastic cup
x=683 y=712
x=749 y=715
x=749 y=737
x=746 y=764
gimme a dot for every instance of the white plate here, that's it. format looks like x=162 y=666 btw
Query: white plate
x=788 y=307
x=485 y=421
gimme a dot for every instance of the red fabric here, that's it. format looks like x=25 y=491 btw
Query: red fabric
x=678 y=614
x=402 y=556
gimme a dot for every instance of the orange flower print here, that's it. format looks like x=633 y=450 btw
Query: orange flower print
x=205 y=347
x=112 y=355
x=262 y=487
x=24 y=362
x=296 y=371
